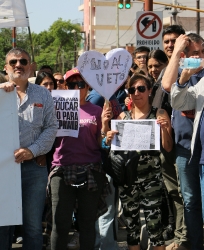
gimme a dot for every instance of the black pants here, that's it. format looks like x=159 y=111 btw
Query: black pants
x=63 y=202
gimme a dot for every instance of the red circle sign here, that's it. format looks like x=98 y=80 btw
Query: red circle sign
x=155 y=17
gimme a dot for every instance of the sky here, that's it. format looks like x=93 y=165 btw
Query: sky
x=42 y=13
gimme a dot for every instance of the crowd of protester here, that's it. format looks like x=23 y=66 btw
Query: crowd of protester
x=169 y=184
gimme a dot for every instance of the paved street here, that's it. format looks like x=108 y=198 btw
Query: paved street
x=121 y=238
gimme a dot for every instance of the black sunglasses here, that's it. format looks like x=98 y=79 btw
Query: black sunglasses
x=81 y=85
x=60 y=81
x=141 y=89
x=22 y=61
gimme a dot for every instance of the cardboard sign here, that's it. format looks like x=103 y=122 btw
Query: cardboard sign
x=107 y=73
x=67 y=112
x=10 y=171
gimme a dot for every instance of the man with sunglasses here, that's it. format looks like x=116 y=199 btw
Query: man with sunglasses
x=190 y=45
x=37 y=127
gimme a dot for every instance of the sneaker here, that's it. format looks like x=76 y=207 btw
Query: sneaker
x=74 y=242
x=19 y=240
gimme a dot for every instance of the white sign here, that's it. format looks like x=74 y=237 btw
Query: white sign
x=10 y=172
x=107 y=73
x=149 y=27
x=67 y=111
x=136 y=135
x=13 y=13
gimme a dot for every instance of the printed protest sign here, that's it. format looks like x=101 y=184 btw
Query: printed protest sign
x=10 y=171
x=67 y=112
x=136 y=135
x=107 y=73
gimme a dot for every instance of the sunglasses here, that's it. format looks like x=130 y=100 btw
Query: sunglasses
x=81 y=85
x=22 y=61
x=61 y=81
x=141 y=89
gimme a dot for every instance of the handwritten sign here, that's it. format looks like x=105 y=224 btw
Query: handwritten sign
x=67 y=112
x=136 y=135
x=107 y=73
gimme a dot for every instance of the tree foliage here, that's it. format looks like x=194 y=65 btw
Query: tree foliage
x=55 y=46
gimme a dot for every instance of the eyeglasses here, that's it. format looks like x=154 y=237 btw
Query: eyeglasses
x=22 y=61
x=81 y=85
x=61 y=81
x=141 y=57
x=141 y=89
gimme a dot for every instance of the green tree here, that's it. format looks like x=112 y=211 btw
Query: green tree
x=55 y=46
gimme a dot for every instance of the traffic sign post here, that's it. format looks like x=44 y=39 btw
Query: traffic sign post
x=149 y=29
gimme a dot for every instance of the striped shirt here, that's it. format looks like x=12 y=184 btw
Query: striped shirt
x=37 y=120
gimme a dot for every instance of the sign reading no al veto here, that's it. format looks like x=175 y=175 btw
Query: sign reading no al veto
x=149 y=29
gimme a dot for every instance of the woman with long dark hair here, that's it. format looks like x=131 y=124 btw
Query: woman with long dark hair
x=146 y=192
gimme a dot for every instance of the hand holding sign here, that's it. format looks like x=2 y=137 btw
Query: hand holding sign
x=107 y=73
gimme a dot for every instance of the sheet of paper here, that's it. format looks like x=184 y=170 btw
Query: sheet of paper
x=136 y=135
x=67 y=111
x=10 y=172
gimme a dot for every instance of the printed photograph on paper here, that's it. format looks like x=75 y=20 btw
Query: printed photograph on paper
x=136 y=135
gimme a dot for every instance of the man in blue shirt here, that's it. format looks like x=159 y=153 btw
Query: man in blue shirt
x=37 y=131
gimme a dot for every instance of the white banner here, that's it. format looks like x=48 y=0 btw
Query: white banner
x=10 y=172
x=136 y=135
x=13 y=13
x=67 y=110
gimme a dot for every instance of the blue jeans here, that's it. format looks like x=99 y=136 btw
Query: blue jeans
x=106 y=225
x=6 y=237
x=191 y=192
x=34 y=181
x=201 y=171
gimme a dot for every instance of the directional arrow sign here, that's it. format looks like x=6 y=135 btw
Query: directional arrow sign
x=145 y=21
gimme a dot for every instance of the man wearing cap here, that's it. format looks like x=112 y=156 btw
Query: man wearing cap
x=37 y=130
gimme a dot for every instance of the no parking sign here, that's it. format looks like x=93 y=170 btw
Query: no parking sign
x=149 y=29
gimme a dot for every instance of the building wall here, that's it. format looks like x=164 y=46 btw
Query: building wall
x=103 y=31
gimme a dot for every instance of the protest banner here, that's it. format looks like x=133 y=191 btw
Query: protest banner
x=136 y=135
x=67 y=112
x=10 y=171
x=106 y=73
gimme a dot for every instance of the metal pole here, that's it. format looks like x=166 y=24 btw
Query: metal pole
x=117 y=26
x=198 y=17
x=148 y=5
x=90 y=30
x=176 y=6
x=14 y=37
x=31 y=42
x=75 y=49
x=174 y=12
